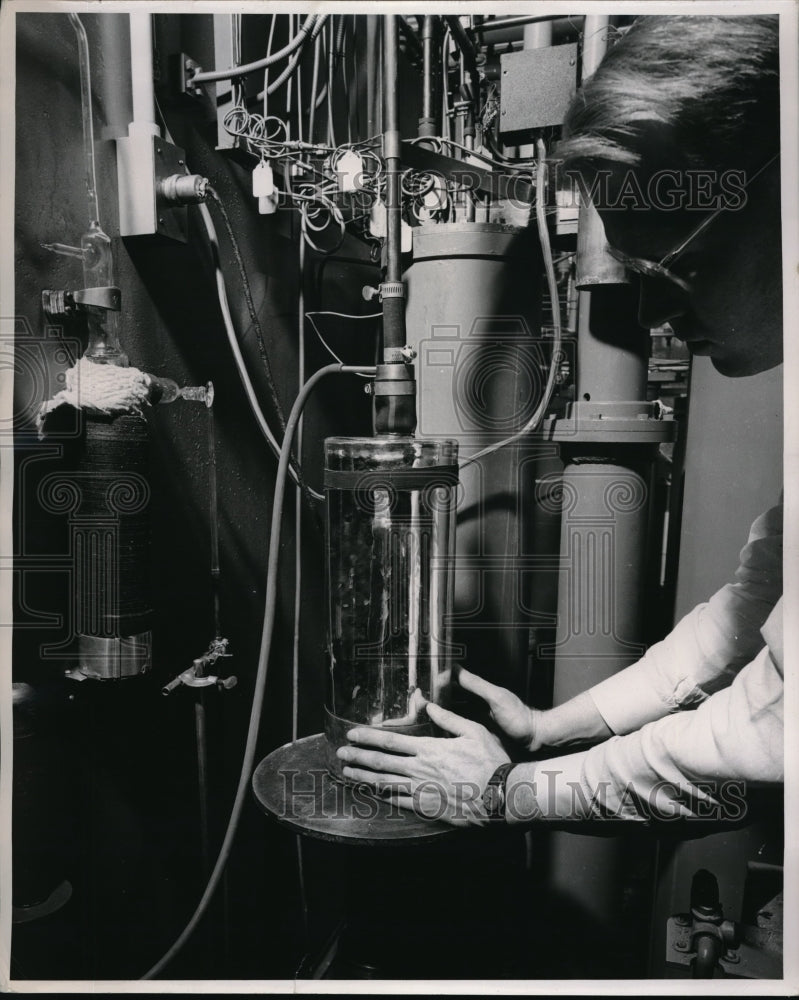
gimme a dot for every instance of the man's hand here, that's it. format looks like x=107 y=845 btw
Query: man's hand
x=436 y=777
x=514 y=718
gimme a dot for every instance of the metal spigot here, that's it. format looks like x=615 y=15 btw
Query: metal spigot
x=197 y=676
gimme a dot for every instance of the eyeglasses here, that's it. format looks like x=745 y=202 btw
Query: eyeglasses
x=661 y=269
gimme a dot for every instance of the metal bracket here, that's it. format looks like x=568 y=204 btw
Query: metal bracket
x=631 y=422
x=58 y=303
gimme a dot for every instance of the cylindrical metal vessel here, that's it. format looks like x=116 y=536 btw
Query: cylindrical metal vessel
x=473 y=316
x=390 y=539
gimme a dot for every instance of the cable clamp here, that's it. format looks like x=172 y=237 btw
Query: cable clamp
x=392 y=290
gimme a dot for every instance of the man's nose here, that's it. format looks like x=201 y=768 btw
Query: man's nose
x=659 y=301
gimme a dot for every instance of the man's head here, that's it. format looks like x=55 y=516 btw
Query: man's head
x=682 y=117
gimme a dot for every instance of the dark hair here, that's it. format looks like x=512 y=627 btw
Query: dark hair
x=680 y=91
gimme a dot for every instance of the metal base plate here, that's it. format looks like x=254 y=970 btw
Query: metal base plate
x=294 y=787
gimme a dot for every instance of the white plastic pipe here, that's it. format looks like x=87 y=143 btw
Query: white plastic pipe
x=141 y=74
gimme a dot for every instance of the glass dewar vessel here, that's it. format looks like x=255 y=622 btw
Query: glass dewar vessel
x=390 y=548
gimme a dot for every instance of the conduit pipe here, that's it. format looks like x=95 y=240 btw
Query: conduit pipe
x=604 y=527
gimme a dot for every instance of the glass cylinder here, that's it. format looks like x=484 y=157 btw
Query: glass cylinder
x=390 y=548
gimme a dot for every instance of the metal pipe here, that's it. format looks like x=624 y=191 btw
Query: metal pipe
x=427 y=123
x=393 y=319
x=464 y=43
x=216 y=573
x=595 y=43
x=503 y=23
x=202 y=778
x=394 y=390
x=371 y=74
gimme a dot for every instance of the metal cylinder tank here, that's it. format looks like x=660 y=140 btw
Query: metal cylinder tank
x=473 y=316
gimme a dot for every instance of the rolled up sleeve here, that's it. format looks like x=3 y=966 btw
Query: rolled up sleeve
x=708 y=647
x=693 y=764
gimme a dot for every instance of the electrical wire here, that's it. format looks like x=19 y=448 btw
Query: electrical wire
x=523 y=166
x=546 y=250
x=288 y=72
x=326 y=312
x=296 y=473
x=268 y=52
x=314 y=81
x=227 y=321
x=270 y=604
x=333 y=49
x=311 y=21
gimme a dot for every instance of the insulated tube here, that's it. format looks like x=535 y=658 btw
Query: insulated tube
x=235 y=71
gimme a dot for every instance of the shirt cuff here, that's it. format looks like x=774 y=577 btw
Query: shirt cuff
x=627 y=700
x=554 y=790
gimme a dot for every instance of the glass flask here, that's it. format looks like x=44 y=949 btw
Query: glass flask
x=390 y=548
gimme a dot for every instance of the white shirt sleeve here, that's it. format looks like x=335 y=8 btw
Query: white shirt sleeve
x=708 y=647
x=692 y=764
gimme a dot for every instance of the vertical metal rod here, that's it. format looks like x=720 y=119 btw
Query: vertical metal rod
x=392 y=151
x=202 y=777
x=371 y=74
x=295 y=659
x=427 y=67
x=216 y=573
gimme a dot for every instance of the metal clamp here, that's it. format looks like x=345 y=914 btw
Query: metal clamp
x=392 y=290
x=63 y=303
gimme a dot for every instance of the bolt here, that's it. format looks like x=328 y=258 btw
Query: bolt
x=681 y=921
x=158 y=150
x=732 y=957
x=160 y=221
x=368 y=388
x=180 y=163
